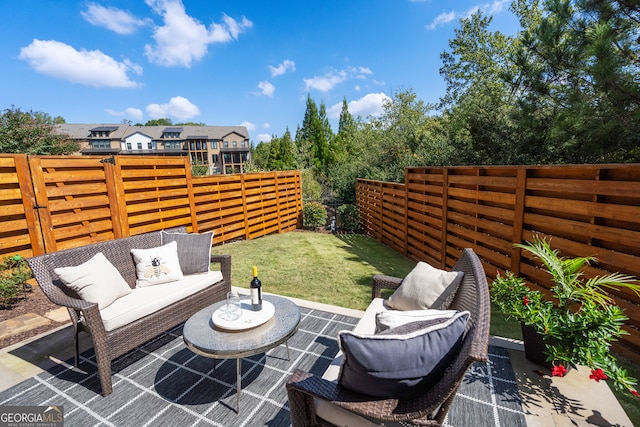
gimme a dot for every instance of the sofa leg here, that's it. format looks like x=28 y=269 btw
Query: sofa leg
x=103 y=360
x=76 y=345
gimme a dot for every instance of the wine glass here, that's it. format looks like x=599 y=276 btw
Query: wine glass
x=233 y=307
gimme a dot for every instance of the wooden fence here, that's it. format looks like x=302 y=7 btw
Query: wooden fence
x=51 y=203
x=587 y=210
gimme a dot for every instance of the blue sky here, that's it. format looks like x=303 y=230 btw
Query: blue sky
x=248 y=63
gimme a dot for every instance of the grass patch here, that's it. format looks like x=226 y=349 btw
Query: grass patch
x=325 y=268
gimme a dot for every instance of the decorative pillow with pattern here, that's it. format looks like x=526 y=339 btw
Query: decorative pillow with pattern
x=157 y=265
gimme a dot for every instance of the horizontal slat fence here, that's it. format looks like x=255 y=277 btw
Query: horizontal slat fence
x=49 y=203
x=586 y=210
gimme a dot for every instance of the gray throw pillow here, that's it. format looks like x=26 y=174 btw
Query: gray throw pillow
x=400 y=362
x=194 y=250
x=425 y=287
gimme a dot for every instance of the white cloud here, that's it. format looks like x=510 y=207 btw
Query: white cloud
x=369 y=105
x=112 y=18
x=133 y=113
x=267 y=88
x=330 y=80
x=488 y=8
x=86 y=67
x=325 y=83
x=266 y=125
x=287 y=65
x=178 y=107
x=250 y=126
x=442 y=19
x=264 y=137
x=183 y=39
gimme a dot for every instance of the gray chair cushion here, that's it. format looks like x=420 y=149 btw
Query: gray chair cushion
x=194 y=250
x=403 y=361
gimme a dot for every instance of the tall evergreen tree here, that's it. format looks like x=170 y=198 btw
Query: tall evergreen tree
x=580 y=59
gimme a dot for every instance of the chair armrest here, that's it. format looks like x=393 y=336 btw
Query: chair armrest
x=380 y=281
x=225 y=265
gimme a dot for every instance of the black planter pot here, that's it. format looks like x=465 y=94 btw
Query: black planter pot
x=534 y=347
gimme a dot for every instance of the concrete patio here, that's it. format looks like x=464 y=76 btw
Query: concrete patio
x=573 y=400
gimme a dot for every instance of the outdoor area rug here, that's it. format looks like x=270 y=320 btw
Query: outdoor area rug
x=164 y=384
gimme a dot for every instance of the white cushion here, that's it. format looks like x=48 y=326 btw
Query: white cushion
x=425 y=287
x=390 y=319
x=157 y=265
x=147 y=300
x=96 y=280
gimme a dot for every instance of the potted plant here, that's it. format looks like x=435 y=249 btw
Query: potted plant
x=578 y=326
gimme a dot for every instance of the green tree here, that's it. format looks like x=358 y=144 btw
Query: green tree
x=479 y=103
x=32 y=133
x=159 y=122
x=579 y=61
x=316 y=134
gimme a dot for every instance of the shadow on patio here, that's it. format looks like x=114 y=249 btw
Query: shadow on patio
x=163 y=383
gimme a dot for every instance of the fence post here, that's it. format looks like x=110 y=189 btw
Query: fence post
x=247 y=233
x=117 y=202
x=445 y=218
x=28 y=198
x=40 y=191
x=518 y=218
x=192 y=201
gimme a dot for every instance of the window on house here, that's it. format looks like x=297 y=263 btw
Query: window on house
x=226 y=144
x=214 y=145
x=215 y=158
x=100 y=144
x=235 y=144
x=139 y=145
x=128 y=146
x=150 y=145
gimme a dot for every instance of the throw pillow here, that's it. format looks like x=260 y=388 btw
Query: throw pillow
x=96 y=280
x=425 y=287
x=194 y=250
x=403 y=361
x=157 y=265
x=386 y=320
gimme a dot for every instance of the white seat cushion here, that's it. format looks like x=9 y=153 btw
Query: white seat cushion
x=144 y=301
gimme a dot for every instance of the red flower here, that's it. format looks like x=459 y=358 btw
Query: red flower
x=558 y=371
x=598 y=374
x=526 y=300
x=635 y=392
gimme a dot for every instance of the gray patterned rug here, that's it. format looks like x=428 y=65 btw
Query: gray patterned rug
x=164 y=384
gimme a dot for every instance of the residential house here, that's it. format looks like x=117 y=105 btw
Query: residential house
x=223 y=149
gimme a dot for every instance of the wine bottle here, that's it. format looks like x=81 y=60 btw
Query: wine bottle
x=256 y=291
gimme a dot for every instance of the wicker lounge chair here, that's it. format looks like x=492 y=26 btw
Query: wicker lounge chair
x=429 y=408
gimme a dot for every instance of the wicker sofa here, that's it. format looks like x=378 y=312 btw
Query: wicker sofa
x=111 y=338
x=322 y=401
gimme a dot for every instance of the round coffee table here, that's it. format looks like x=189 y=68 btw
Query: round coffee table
x=203 y=338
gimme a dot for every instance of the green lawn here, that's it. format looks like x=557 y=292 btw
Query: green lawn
x=326 y=268
x=337 y=270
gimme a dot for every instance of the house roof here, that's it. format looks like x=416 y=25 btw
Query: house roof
x=122 y=131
